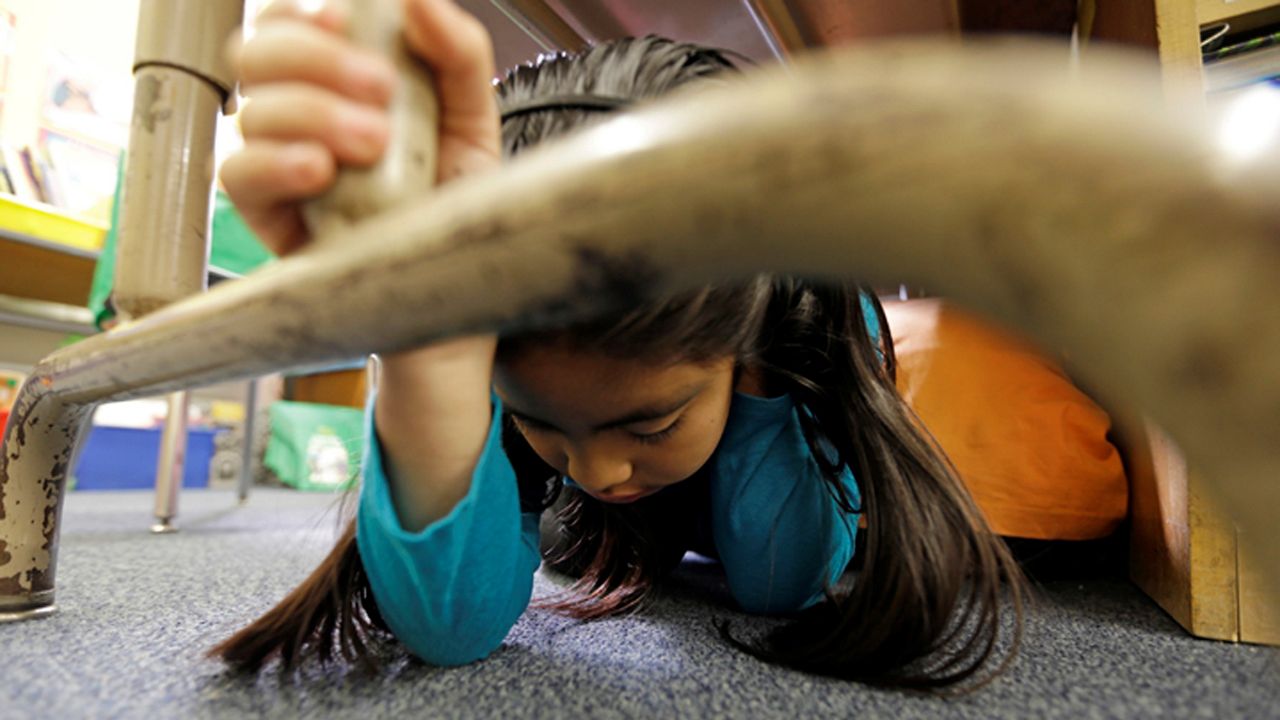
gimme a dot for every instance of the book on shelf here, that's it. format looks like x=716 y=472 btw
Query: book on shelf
x=37 y=172
x=20 y=179
x=59 y=171
x=1244 y=61
x=81 y=176
x=49 y=178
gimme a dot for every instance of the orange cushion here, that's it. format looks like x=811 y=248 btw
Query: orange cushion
x=1031 y=447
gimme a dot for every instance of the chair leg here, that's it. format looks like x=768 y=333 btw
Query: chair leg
x=171 y=462
x=182 y=84
x=247 y=463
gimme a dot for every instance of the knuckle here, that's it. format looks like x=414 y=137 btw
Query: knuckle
x=330 y=119
x=315 y=175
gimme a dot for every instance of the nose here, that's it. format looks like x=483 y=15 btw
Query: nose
x=597 y=472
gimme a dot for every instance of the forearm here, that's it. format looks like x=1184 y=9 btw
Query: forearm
x=451 y=591
x=432 y=416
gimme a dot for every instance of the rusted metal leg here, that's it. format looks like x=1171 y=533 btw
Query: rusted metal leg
x=171 y=462
x=42 y=430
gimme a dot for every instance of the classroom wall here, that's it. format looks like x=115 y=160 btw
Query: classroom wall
x=100 y=32
x=22 y=347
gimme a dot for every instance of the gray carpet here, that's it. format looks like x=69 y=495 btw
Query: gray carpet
x=137 y=611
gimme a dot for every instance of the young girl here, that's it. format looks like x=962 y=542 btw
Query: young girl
x=752 y=422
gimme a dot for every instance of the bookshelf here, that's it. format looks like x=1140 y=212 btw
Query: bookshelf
x=1215 y=11
x=50 y=224
x=49 y=256
x=1185 y=552
x=47 y=259
x=1241 y=50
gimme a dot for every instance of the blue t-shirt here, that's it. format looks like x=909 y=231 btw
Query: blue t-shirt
x=452 y=591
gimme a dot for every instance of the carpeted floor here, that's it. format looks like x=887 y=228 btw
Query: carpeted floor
x=137 y=611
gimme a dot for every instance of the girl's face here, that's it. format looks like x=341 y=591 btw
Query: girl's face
x=620 y=429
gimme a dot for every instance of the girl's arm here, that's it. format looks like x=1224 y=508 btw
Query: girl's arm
x=449 y=578
x=451 y=591
x=318 y=103
x=781 y=535
x=432 y=418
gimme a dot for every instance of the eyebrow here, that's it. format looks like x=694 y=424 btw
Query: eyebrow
x=643 y=414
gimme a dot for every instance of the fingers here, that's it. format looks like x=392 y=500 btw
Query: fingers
x=318 y=102
x=331 y=15
x=290 y=50
x=275 y=171
x=460 y=53
x=355 y=133
x=266 y=180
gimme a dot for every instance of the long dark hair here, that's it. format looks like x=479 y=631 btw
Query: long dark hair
x=926 y=609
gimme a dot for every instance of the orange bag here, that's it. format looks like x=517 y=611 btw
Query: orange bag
x=1031 y=447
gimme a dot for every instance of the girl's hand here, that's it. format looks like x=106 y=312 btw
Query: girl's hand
x=317 y=103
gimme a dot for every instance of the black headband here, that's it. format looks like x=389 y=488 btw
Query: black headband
x=594 y=103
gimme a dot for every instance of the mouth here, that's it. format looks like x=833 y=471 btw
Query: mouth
x=624 y=499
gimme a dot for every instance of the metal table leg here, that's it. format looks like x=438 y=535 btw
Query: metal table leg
x=170 y=464
x=247 y=463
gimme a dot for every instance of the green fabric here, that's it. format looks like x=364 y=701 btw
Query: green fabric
x=313 y=446
x=235 y=248
x=104 y=271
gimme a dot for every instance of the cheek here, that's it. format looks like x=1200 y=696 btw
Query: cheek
x=686 y=451
x=547 y=449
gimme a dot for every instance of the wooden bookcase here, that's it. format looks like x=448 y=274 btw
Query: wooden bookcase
x=1215 y=11
x=1184 y=551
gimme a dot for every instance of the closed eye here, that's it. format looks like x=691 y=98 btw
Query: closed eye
x=530 y=425
x=525 y=424
x=659 y=436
